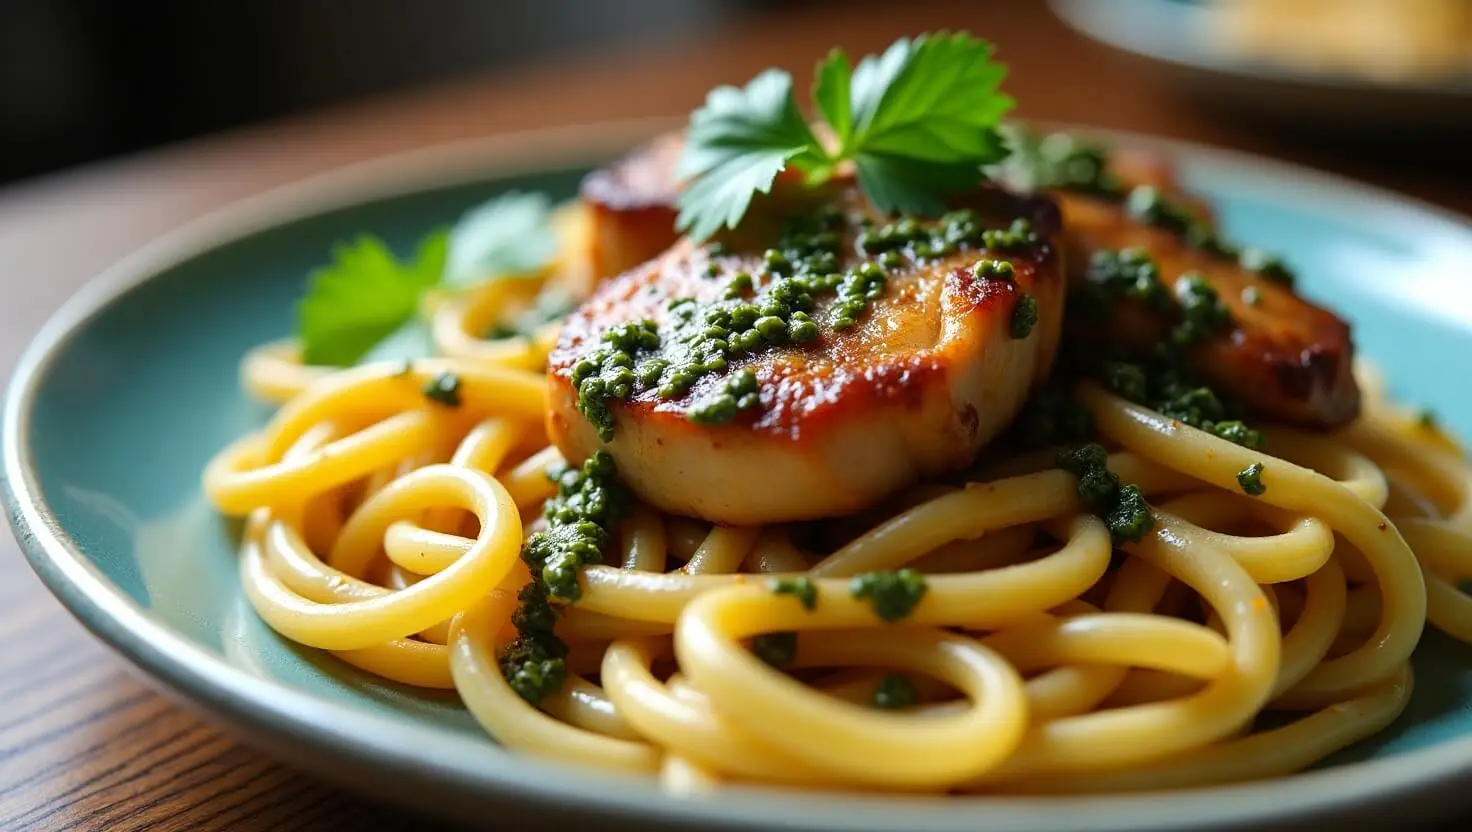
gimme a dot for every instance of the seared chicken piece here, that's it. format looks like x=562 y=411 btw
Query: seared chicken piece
x=930 y=372
x=1284 y=357
x=1281 y=356
x=632 y=205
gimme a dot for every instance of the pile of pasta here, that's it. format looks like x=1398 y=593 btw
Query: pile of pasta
x=1245 y=637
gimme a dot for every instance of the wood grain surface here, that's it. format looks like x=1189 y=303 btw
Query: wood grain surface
x=85 y=745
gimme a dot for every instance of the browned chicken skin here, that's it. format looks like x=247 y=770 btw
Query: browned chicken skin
x=1284 y=357
x=632 y=203
x=931 y=372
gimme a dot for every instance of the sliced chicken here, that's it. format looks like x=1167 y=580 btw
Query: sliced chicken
x=632 y=205
x=928 y=374
x=1282 y=356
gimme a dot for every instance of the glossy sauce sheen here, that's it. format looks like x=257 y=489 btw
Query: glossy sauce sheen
x=929 y=375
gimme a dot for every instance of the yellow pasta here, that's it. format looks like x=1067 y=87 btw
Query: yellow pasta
x=385 y=527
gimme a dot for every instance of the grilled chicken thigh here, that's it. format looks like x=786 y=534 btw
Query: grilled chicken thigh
x=937 y=365
x=1284 y=357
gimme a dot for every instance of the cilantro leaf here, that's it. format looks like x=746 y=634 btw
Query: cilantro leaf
x=917 y=121
x=508 y=234
x=364 y=295
x=735 y=147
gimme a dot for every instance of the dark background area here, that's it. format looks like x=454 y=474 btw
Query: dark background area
x=86 y=79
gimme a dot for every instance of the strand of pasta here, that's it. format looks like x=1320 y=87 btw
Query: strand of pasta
x=1291 y=487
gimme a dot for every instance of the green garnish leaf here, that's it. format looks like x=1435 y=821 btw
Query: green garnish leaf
x=918 y=121
x=934 y=99
x=363 y=296
x=735 y=147
x=831 y=85
x=409 y=342
x=506 y=235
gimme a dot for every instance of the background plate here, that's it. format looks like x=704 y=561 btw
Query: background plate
x=1173 y=37
x=131 y=388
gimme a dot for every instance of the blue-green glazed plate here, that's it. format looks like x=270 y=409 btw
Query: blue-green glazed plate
x=132 y=386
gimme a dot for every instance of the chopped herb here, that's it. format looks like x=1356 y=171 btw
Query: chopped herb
x=1018 y=236
x=364 y=295
x=776 y=649
x=1252 y=296
x=895 y=691
x=1122 y=507
x=993 y=270
x=1127 y=380
x=1051 y=417
x=1149 y=204
x=1127 y=273
x=894 y=595
x=1202 y=312
x=1024 y=317
x=860 y=287
x=444 y=389
x=1130 y=518
x=1258 y=261
x=1250 y=479
x=1059 y=160
x=589 y=501
x=607 y=371
x=1426 y=418
x=801 y=587
x=739 y=285
x=737 y=393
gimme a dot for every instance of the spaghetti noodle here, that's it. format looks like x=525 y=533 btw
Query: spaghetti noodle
x=384 y=527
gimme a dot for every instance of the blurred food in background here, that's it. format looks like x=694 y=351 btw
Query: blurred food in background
x=1359 y=71
x=1394 y=41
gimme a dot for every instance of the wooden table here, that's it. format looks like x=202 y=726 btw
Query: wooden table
x=84 y=744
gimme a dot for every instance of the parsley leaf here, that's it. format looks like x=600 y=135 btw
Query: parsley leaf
x=831 y=84
x=735 y=147
x=508 y=234
x=933 y=99
x=918 y=121
x=364 y=304
x=363 y=296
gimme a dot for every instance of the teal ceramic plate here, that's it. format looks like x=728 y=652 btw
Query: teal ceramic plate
x=1174 y=37
x=129 y=390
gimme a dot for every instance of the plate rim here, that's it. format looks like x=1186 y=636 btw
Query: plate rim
x=1078 y=16
x=307 y=725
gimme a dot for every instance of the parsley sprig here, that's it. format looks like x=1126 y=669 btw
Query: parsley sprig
x=366 y=300
x=918 y=121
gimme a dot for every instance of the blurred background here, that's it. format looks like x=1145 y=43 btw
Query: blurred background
x=82 y=80
x=86 y=79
